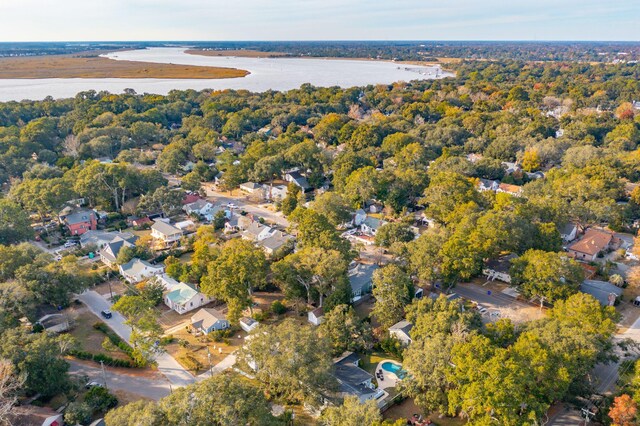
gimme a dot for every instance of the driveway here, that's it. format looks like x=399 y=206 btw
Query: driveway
x=508 y=306
x=120 y=380
x=244 y=204
x=167 y=365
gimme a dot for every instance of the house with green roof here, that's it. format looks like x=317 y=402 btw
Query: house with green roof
x=183 y=298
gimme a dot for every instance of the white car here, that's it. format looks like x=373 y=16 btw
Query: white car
x=232 y=206
x=69 y=244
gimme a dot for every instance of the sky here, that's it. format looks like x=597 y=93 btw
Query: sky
x=120 y=20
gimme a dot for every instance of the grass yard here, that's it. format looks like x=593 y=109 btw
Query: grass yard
x=369 y=362
x=88 y=338
x=194 y=356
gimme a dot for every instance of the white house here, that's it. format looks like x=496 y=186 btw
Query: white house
x=400 y=331
x=184 y=298
x=277 y=192
x=166 y=281
x=498 y=269
x=274 y=242
x=251 y=187
x=207 y=320
x=371 y=225
x=488 y=185
x=137 y=270
x=202 y=208
x=316 y=316
x=568 y=232
x=257 y=232
x=248 y=324
x=165 y=232
x=109 y=252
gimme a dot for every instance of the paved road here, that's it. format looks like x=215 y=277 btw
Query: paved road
x=167 y=365
x=244 y=204
x=122 y=381
x=494 y=300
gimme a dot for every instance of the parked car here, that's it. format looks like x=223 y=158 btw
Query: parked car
x=93 y=384
x=106 y=314
x=232 y=206
x=69 y=244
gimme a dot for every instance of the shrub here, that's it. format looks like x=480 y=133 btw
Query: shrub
x=278 y=308
x=77 y=413
x=220 y=335
x=191 y=363
x=100 y=399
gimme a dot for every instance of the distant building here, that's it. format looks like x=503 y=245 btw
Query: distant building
x=360 y=280
x=80 y=221
x=400 y=331
x=248 y=324
x=507 y=188
x=251 y=187
x=165 y=232
x=591 y=244
x=498 y=269
x=109 y=253
x=606 y=293
x=568 y=232
x=353 y=380
x=137 y=270
x=184 y=298
x=257 y=232
x=297 y=179
x=274 y=242
x=100 y=238
x=316 y=316
x=207 y=320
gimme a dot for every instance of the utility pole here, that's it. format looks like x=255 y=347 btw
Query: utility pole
x=209 y=358
x=104 y=375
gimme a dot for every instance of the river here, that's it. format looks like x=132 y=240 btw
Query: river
x=266 y=74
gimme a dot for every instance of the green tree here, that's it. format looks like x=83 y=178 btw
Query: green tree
x=234 y=273
x=553 y=276
x=352 y=413
x=78 y=413
x=393 y=291
x=345 y=330
x=314 y=230
x=446 y=191
x=392 y=233
x=100 y=399
x=291 y=361
x=333 y=206
x=14 y=223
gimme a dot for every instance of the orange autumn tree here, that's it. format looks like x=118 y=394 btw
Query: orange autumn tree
x=624 y=411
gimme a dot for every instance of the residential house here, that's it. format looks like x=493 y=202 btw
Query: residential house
x=400 y=331
x=201 y=208
x=606 y=293
x=359 y=217
x=109 y=253
x=361 y=279
x=507 y=188
x=257 y=232
x=274 y=242
x=100 y=238
x=80 y=221
x=184 y=298
x=488 y=185
x=207 y=320
x=374 y=206
x=353 y=380
x=185 y=226
x=594 y=242
x=316 y=316
x=248 y=324
x=190 y=197
x=138 y=222
x=165 y=232
x=251 y=187
x=166 y=281
x=510 y=167
x=297 y=179
x=276 y=192
x=371 y=225
x=498 y=269
x=568 y=232
x=137 y=270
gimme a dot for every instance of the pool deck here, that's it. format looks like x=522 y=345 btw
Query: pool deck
x=390 y=379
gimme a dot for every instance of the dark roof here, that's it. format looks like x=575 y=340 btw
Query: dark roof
x=352 y=377
x=79 y=216
x=361 y=276
x=501 y=264
x=600 y=290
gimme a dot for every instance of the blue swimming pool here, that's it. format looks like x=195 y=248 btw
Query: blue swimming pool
x=394 y=368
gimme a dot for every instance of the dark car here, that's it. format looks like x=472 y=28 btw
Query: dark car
x=106 y=314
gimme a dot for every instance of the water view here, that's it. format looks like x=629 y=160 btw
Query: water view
x=266 y=74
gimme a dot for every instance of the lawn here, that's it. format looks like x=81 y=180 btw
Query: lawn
x=369 y=362
x=196 y=349
x=88 y=338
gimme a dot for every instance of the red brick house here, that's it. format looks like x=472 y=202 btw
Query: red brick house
x=80 y=221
